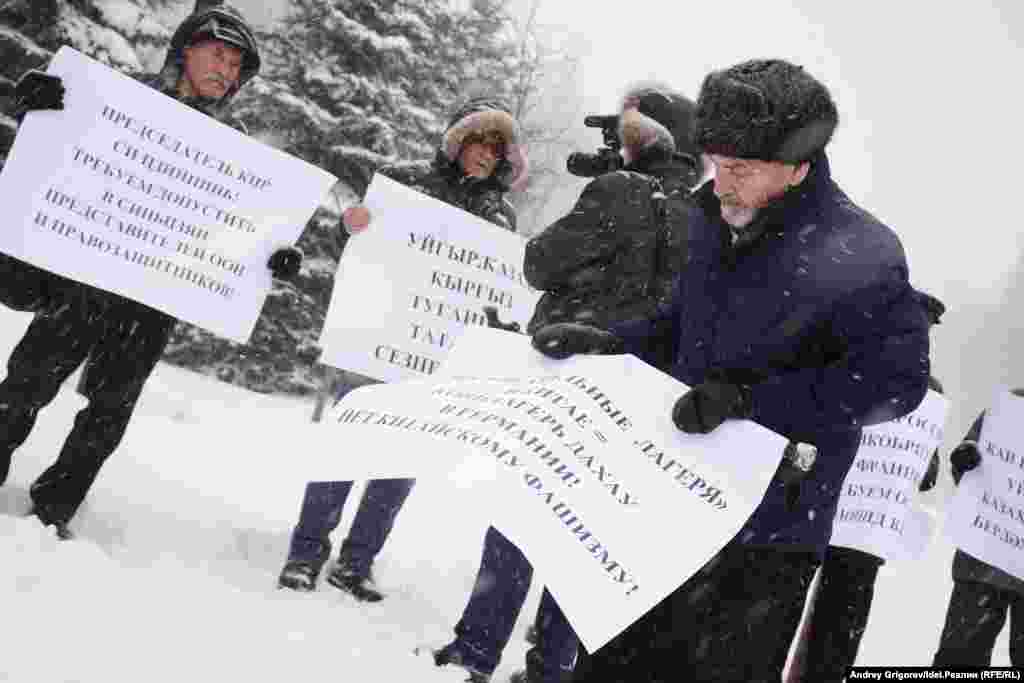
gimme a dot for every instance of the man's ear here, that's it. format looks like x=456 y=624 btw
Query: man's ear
x=800 y=173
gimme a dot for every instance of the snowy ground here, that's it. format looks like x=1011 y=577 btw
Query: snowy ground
x=172 y=574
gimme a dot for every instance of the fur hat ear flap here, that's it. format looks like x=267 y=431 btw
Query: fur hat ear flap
x=639 y=132
x=653 y=115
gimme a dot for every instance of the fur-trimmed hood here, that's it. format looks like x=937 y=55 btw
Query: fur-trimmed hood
x=482 y=115
x=653 y=115
x=228 y=16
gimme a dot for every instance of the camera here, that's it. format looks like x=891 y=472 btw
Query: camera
x=607 y=158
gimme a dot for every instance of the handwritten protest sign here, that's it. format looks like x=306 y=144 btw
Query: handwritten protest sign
x=876 y=510
x=409 y=285
x=613 y=505
x=986 y=516
x=135 y=193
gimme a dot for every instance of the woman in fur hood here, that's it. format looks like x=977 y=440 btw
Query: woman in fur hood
x=477 y=162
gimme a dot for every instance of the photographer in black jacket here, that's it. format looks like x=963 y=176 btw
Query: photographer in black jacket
x=613 y=257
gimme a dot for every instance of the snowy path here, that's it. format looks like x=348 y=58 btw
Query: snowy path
x=172 y=575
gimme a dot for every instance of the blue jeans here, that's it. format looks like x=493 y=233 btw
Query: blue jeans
x=321 y=513
x=493 y=608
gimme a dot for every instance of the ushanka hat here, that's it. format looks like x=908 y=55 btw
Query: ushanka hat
x=767 y=109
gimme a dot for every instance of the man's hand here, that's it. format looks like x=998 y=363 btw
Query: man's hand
x=964 y=458
x=562 y=340
x=284 y=263
x=355 y=219
x=705 y=407
x=37 y=90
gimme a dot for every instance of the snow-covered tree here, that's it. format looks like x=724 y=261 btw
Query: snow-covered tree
x=347 y=85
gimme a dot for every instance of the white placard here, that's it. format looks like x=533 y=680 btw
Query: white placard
x=877 y=512
x=613 y=505
x=986 y=516
x=409 y=284
x=130 y=191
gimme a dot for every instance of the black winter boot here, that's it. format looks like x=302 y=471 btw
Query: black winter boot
x=451 y=654
x=358 y=586
x=298 y=575
x=48 y=517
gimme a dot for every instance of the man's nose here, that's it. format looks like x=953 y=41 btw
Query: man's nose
x=723 y=183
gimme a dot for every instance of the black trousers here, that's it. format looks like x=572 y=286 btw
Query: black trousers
x=976 y=614
x=25 y=288
x=841 y=610
x=732 y=621
x=120 y=341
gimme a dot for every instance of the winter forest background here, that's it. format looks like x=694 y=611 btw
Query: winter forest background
x=348 y=85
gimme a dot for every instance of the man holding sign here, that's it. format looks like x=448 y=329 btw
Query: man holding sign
x=794 y=310
x=211 y=56
x=983 y=593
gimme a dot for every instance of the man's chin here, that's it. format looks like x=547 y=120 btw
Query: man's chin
x=738 y=216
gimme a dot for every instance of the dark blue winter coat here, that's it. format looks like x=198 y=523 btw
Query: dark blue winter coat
x=812 y=307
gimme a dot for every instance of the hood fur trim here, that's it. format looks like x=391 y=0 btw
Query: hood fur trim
x=482 y=117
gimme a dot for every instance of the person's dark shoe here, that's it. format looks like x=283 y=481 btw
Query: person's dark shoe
x=524 y=676
x=358 y=586
x=298 y=575
x=452 y=654
x=59 y=524
x=534 y=672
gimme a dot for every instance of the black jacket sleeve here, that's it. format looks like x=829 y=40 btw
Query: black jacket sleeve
x=589 y=234
x=882 y=375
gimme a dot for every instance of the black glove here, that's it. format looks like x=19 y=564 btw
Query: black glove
x=284 y=263
x=37 y=90
x=708 y=405
x=964 y=458
x=562 y=340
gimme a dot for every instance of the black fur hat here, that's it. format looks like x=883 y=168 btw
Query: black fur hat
x=766 y=109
